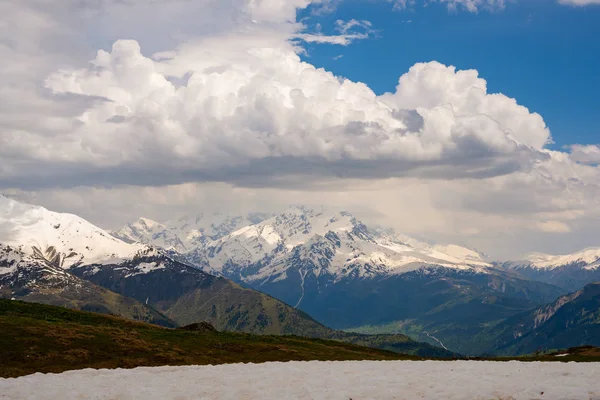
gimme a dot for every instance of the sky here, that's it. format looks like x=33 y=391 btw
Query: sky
x=460 y=121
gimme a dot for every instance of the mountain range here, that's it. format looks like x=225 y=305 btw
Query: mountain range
x=61 y=259
x=266 y=274
x=371 y=280
x=570 y=272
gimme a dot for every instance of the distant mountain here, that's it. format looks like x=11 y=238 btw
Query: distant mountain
x=186 y=233
x=572 y=320
x=147 y=231
x=336 y=243
x=351 y=276
x=570 y=272
x=61 y=259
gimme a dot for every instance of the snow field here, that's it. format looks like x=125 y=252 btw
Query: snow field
x=319 y=380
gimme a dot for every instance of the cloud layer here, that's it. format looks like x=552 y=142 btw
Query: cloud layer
x=227 y=108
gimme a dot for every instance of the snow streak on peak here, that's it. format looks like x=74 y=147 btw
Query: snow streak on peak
x=62 y=239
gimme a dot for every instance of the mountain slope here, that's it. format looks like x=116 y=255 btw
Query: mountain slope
x=187 y=295
x=37 y=280
x=39 y=338
x=570 y=321
x=570 y=272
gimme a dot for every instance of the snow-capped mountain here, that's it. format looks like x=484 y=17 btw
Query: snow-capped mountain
x=187 y=233
x=256 y=247
x=571 y=271
x=64 y=240
x=588 y=259
x=336 y=243
x=39 y=250
x=41 y=279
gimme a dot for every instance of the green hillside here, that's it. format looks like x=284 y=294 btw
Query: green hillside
x=41 y=338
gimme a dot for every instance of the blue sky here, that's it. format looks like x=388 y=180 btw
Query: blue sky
x=544 y=54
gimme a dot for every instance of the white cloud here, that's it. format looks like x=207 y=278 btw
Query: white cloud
x=348 y=32
x=478 y=5
x=579 y=2
x=586 y=154
x=341 y=40
x=347 y=26
x=455 y=5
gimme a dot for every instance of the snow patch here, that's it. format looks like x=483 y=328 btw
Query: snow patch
x=319 y=380
x=144 y=268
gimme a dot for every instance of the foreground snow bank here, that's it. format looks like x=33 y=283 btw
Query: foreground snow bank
x=319 y=380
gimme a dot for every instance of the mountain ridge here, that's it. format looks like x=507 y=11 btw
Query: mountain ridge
x=570 y=272
x=571 y=320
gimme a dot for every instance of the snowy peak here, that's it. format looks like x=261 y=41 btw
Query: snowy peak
x=61 y=239
x=279 y=235
x=187 y=233
x=333 y=243
x=587 y=259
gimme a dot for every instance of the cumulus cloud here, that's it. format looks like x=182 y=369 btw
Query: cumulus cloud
x=248 y=107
